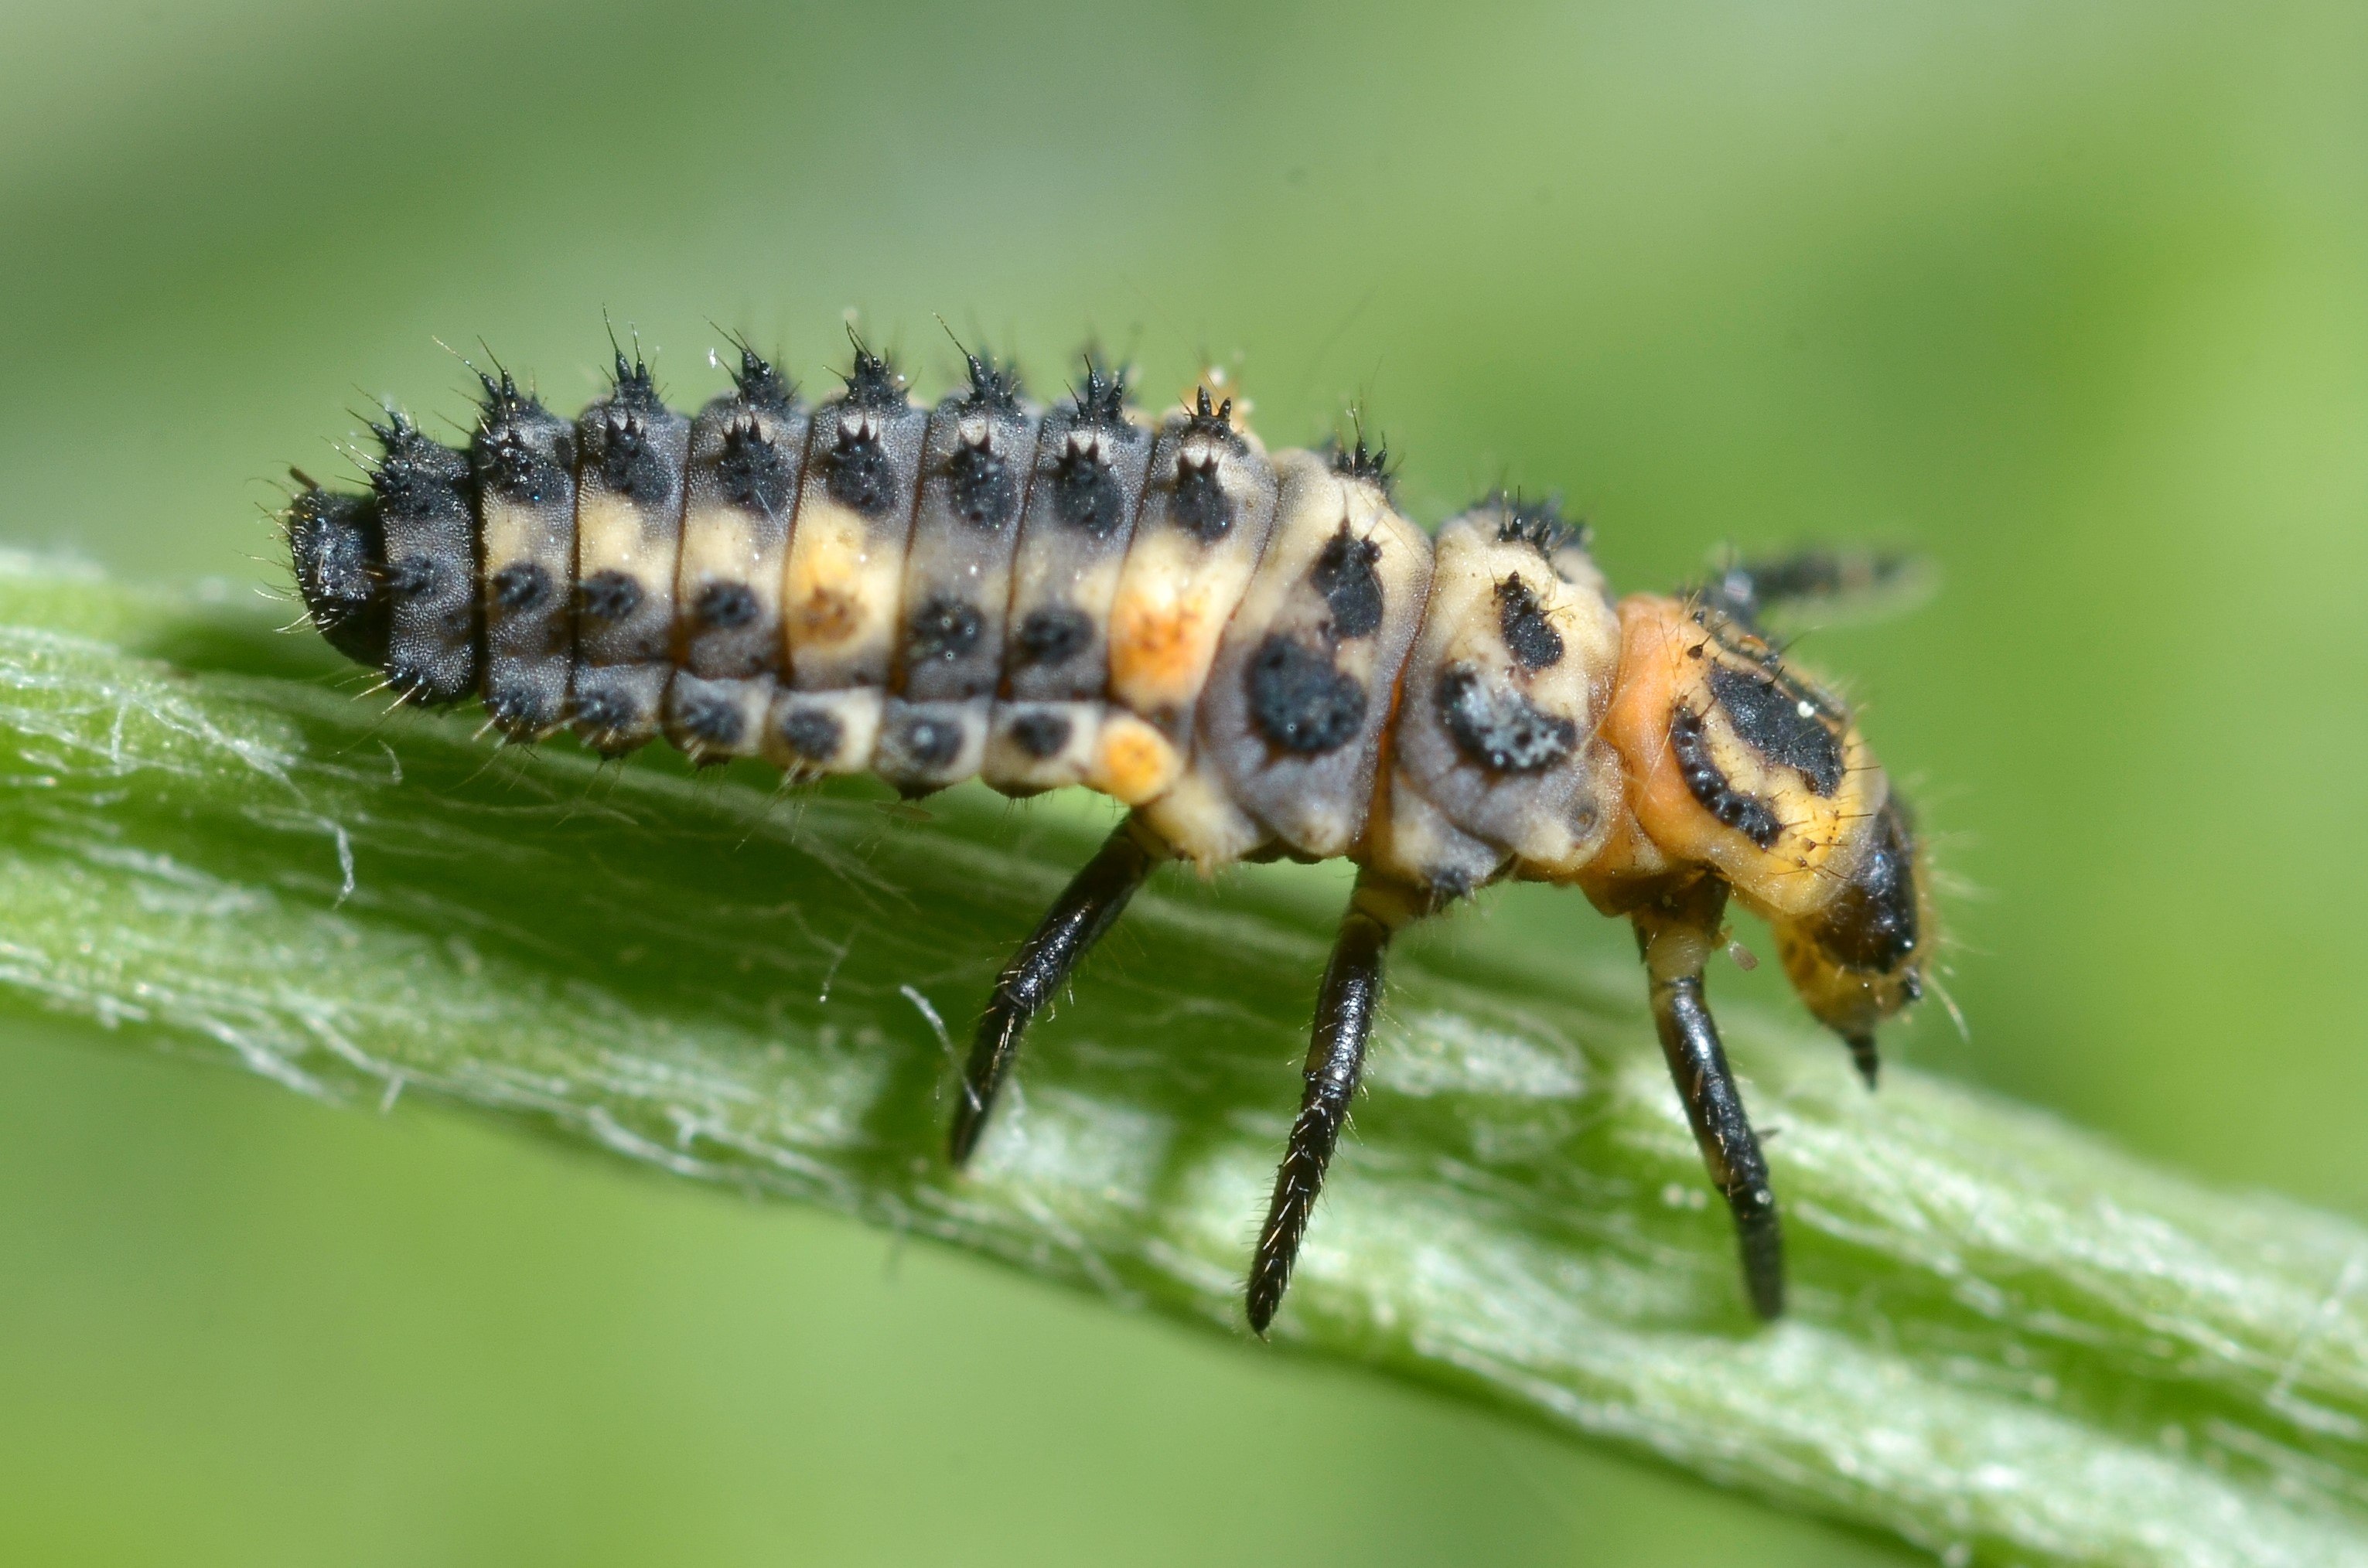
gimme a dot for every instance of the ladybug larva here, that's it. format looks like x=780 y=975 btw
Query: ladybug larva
x=1253 y=651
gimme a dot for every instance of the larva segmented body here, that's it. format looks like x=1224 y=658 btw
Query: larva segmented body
x=1253 y=651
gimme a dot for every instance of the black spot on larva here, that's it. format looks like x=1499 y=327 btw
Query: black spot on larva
x=712 y=721
x=1298 y=701
x=1344 y=575
x=1529 y=636
x=1041 y=735
x=617 y=442
x=415 y=577
x=724 y=605
x=1202 y=507
x=752 y=471
x=521 y=586
x=1747 y=814
x=1538 y=524
x=604 y=713
x=931 y=743
x=1085 y=494
x=857 y=472
x=811 y=734
x=944 y=628
x=761 y=385
x=1872 y=925
x=1499 y=728
x=609 y=596
x=1780 y=722
x=1055 y=634
x=981 y=484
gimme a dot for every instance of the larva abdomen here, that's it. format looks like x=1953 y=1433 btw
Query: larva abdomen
x=976 y=463
x=844 y=577
x=1304 y=681
x=523 y=459
x=628 y=543
x=428 y=516
x=747 y=455
x=337 y=546
x=1092 y=460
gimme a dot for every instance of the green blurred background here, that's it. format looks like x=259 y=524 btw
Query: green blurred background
x=2073 y=298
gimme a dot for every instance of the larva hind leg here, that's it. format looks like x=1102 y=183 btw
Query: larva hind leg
x=1344 y=1009
x=1085 y=910
x=1676 y=936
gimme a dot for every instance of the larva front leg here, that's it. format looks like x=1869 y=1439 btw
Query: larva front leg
x=1677 y=936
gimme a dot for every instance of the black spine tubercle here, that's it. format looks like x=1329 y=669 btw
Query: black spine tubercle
x=1354 y=458
x=749 y=444
x=761 y=386
x=339 y=549
x=872 y=382
x=985 y=465
x=994 y=386
x=1100 y=399
x=1540 y=524
x=625 y=438
x=1092 y=482
x=426 y=506
x=1212 y=416
x=852 y=450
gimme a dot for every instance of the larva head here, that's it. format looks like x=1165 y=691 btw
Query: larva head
x=1862 y=958
x=339 y=549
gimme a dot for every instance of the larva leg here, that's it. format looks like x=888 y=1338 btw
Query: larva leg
x=1677 y=937
x=1087 y=909
x=1849 y=584
x=1344 y=1009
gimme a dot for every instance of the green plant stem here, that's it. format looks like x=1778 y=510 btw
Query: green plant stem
x=2006 y=1343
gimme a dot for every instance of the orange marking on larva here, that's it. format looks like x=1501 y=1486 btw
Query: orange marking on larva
x=829 y=615
x=1159 y=649
x=1136 y=763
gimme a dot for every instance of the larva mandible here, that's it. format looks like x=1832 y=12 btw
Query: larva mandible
x=1253 y=651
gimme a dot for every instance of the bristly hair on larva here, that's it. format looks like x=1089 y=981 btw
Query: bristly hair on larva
x=1541 y=525
x=1254 y=651
x=873 y=381
x=1357 y=460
